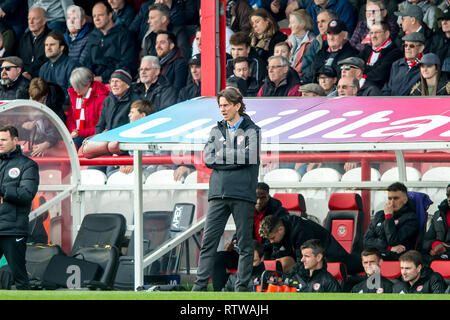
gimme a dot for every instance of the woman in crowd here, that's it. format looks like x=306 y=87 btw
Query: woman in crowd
x=432 y=81
x=265 y=33
x=86 y=101
x=302 y=35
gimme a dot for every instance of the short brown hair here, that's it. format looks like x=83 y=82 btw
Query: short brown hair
x=268 y=225
x=371 y=251
x=11 y=129
x=234 y=97
x=413 y=256
x=143 y=106
x=240 y=38
x=38 y=89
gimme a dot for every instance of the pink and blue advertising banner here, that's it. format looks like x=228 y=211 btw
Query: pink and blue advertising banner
x=300 y=120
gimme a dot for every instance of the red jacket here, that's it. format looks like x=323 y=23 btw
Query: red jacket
x=92 y=109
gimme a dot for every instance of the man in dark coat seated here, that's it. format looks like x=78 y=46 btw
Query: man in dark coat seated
x=265 y=206
x=287 y=234
x=13 y=84
x=394 y=229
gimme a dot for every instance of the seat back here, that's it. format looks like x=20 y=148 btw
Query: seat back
x=292 y=202
x=38 y=256
x=119 y=178
x=338 y=270
x=422 y=202
x=345 y=220
x=183 y=214
x=442 y=267
x=390 y=269
x=93 y=177
x=100 y=229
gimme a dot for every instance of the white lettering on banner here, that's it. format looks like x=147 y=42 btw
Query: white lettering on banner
x=343 y=132
x=181 y=129
x=295 y=123
x=177 y=217
x=137 y=132
x=418 y=128
x=201 y=134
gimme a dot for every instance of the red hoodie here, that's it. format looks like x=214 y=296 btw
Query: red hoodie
x=93 y=108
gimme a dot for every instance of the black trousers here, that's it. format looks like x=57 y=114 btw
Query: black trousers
x=223 y=260
x=14 y=248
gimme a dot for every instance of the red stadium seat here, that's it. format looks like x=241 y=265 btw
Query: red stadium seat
x=391 y=269
x=442 y=267
x=293 y=202
x=286 y=31
x=337 y=270
x=345 y=220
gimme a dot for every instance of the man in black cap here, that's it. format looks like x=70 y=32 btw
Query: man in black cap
x=405 y=72
x=336 y=49
x=327 y=79
x=13 y=84
x=193 y=88
x=412 y=21
x=440 y=43
x=354 y=67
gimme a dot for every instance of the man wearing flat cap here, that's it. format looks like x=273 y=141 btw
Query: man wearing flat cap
x=193 y=88
x=116 y=105
x=336 y=49
x=354 y=67
x=405 y=72
x=311 y=90
x=13 y=84
x=411 y=20
x=440 y=43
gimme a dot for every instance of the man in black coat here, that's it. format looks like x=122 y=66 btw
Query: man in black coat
x=289 y=233
x=18 y=186
x=116 y=105
x=13 y=84
x=394 y=229
x=32 y=43
x=153 y=86
x=440 y=43
x=354 y=67
x=311 y=272
x=379 y=56
x=193 y=88
x=436 y=243
x=265 y=206
x=233 y=152
x=417 y=277
x=110 y=45
x=335 y=49
x=373 y=281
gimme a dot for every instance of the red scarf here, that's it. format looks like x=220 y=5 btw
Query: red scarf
x=413 y=62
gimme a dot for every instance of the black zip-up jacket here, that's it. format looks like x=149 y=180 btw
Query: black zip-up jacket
x=161 y=94
x=235 y=161
x=19 y=181
x=438 y=230
x=32 y=51
x=110 y=52
x=115 y=111
x=16 y=90
x=383 y=233
x=385 y=286
x=429 y=282
x=320 y=280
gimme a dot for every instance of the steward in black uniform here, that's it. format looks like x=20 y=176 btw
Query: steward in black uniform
x=19 y=180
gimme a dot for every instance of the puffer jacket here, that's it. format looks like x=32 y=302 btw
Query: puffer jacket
x=235 y=168
x=438 y=230
x=429 y=282
x=18 y=185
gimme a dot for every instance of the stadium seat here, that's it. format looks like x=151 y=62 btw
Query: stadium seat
x=160 y=199
x=279 y=176
x=436 y=194
x=422 y=203
x=317 y=198
x=345 y=220
x=50 y=177
x=442 y=267
x=390 y=269
x=286 y=31
x=354 y=175
x=119 y=178
x=93 y=177
x=338 y=270
x=293 y=202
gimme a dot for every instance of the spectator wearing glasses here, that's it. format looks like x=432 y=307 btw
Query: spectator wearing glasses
x=429 y=9
x=354 y=67
x=411 y=20
x=375 y=13
x=432 y=81
x=327 y=79
x=13 y=84
x=280 y=82
x=379 y=55
x=405 y=71
x=348 y=86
